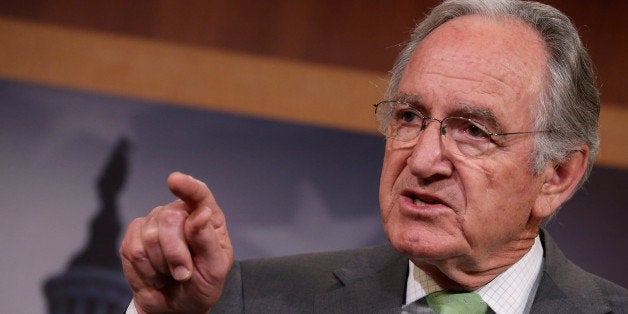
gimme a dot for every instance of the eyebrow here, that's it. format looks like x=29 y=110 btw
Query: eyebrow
x=408 y=98
x=483 y=115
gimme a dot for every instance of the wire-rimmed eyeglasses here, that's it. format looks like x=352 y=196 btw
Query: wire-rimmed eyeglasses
x=402 y=122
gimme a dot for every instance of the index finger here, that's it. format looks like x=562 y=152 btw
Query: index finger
x=193 y=192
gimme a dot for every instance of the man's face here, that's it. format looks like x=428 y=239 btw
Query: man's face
x=440 y=206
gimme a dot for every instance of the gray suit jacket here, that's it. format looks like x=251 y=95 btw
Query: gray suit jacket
x=373 y=280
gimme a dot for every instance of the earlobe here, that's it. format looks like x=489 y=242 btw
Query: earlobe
x=561 y=181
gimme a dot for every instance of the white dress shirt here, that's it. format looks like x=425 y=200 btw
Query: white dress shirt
x=511 y=292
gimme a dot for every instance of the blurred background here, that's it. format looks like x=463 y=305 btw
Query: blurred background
x=267 y=101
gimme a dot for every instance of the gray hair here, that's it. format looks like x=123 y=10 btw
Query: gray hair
x=569 y=105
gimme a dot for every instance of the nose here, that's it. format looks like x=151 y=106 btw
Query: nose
x=428 y=160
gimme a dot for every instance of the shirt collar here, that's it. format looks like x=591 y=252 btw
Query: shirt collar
x=510 y=292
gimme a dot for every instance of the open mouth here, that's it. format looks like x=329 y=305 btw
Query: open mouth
x=419 y=202
x=422 y=201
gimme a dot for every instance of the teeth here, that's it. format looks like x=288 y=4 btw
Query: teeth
x=419 y=202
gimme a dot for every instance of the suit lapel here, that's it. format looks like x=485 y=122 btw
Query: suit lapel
x=562 y=288
x=375 y=285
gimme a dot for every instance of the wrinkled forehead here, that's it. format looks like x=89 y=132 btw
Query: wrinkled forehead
x=499 y=58
x=503 y=47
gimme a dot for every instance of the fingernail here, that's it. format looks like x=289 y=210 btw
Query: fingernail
x=181 y=273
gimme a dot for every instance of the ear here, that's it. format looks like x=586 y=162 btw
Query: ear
x=560 y=182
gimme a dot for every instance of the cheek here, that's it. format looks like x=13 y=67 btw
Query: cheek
x=482 y=187
x=393 y=165
x=497 y=190
x=489 y=178
x=508 y=179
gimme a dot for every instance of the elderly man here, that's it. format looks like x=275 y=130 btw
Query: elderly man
x=491 y=125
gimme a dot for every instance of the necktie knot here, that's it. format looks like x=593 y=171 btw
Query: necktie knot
x=443 y=302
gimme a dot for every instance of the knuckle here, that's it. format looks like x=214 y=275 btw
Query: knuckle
x=200 y=224
x=134 y=254
x=136 y=224
x=131 y=235
x=155 y=211
x=150 y=235
x=172 y=218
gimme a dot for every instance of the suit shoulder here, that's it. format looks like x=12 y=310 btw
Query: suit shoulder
x=316 y=271
x=616 y=295
x=322 y=261
x=564 y=285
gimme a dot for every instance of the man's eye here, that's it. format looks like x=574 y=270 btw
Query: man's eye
x=475 y=131
x=408 y=116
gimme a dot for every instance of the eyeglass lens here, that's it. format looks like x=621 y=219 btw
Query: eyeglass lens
x=406 y=124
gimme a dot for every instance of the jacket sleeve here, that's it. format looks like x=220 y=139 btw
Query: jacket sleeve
x=231 y=300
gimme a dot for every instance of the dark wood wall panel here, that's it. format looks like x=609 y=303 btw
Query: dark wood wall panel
x=353 y=33
x=360 y=34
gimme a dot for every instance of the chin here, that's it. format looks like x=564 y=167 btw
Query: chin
x=424 y=244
